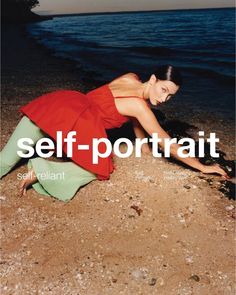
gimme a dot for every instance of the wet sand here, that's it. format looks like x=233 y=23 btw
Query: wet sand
x=155 y=227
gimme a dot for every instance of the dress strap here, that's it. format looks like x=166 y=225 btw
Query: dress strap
x=127 y=96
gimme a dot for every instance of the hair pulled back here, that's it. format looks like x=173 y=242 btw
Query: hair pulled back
x=169 y=73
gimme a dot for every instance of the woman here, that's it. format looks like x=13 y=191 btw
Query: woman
x=109 y=106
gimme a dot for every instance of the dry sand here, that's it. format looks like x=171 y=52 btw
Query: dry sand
x=154 y=228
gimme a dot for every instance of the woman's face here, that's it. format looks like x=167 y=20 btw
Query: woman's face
x=161 y=90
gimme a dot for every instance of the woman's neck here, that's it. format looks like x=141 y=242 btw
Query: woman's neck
x=144 y=90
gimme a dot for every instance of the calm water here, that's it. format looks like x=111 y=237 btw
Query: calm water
x=199 y=42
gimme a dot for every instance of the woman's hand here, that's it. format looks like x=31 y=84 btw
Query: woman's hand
x=146 y=149
x=214 y=168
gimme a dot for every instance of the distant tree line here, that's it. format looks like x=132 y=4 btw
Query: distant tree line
x=26 y=5
x=15 y=11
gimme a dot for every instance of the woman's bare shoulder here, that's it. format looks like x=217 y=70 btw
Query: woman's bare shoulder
x=131 y=75
x=128 y=77
x=132 y=106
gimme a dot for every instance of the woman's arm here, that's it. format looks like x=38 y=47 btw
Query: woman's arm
x=149 y=122
x=140 y=133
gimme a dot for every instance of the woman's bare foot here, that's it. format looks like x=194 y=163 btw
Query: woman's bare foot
x=28 y=180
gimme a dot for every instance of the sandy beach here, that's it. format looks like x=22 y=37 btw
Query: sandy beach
x=155 y=227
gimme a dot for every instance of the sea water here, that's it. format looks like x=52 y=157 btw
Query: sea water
x=200 y=42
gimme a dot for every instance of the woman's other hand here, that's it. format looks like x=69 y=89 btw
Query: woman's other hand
x=214 y=168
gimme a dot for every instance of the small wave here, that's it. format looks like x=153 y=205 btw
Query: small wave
x=153 y=50
x=165 y=51
x=209 y=74
x=81 y=43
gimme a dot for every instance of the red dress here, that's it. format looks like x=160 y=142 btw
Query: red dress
x=88 y=114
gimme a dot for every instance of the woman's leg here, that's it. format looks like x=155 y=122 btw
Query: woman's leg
x=8 y=155
x=59 y=179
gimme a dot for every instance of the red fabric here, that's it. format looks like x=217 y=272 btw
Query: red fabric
x=87 y=114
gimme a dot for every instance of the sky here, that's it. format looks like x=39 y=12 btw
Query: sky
x=82 y=6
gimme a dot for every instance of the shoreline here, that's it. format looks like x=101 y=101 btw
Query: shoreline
x=43 y=64
x=36 y=64
x=130 y=234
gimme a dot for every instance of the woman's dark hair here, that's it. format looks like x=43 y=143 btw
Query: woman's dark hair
x=170 y=73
